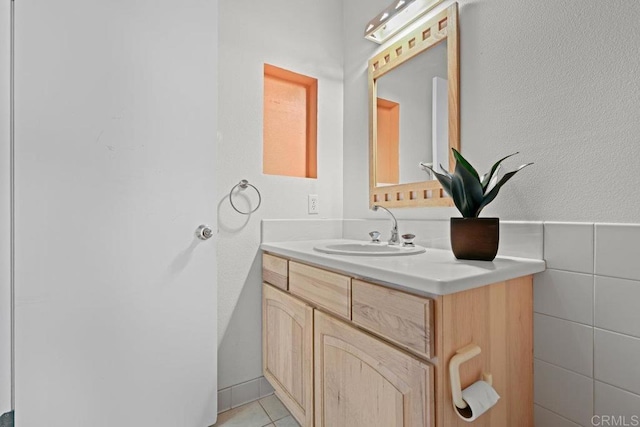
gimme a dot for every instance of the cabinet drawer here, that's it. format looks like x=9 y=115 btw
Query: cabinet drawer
x=328 y=290
x=405 y=319
x=275 y=271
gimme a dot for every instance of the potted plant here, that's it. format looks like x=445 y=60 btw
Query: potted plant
x=472 y=237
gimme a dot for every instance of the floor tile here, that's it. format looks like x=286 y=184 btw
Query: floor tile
x=287 y=422
x=249 y=415
x=274 y=408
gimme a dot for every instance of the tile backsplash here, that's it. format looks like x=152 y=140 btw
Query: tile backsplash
x=517 y=239
x=587 y=325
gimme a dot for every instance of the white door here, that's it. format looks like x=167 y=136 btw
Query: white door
x=115 y=109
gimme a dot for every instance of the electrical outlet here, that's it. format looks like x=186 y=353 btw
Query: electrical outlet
x=313 y=204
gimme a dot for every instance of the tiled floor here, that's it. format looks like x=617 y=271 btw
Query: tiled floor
x=266 y=412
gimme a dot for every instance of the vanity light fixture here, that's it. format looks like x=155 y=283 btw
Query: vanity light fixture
x=397 y=16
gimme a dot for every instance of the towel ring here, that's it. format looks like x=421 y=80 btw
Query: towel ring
x=243 y=186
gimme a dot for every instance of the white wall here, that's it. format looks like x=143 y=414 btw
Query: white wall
x=557 y=81
x=303 y=36
x=5 y=293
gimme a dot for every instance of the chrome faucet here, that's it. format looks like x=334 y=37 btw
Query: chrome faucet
x=394 y=230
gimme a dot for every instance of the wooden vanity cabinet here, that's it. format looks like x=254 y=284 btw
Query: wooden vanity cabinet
x=287 y=347
x=340 y=351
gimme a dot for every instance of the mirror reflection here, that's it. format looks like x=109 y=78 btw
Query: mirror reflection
x=412 y=118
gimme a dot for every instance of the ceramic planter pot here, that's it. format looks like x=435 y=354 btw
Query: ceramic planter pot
x=475 y=238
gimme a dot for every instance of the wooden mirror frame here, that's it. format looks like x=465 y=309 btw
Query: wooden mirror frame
x=443 y=26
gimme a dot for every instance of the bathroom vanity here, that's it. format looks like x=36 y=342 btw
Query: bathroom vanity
x=366 y=341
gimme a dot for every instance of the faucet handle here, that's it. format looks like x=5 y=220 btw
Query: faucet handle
x=407 y=240
x=375 y=236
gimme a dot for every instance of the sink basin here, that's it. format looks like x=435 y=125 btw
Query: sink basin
x=370 y=249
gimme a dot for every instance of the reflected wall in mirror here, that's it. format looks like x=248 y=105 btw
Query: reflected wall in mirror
x=412 y=118
x=414 y=113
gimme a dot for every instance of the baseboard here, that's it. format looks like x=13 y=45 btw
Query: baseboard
x=240 y=394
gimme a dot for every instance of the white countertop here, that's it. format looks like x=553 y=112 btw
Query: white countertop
x=435 y=272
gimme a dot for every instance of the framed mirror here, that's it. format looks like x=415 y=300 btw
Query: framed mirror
x=414 y=114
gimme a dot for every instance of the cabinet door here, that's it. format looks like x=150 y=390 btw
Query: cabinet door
x=361 y=381
x=287 y=340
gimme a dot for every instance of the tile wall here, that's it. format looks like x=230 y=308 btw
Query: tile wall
x=587 y=326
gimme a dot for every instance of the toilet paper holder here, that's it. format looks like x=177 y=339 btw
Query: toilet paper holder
x=463 y=355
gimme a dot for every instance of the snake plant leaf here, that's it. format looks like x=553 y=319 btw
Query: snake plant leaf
x=444 y=171
x=445 y=180
x=462 y=161
x=470 y=193
x=425 y=166
x=486 y=178
x=483 y=178
x=459 y=196
x=471 y=187
x=488 y=198
x=493 y=181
